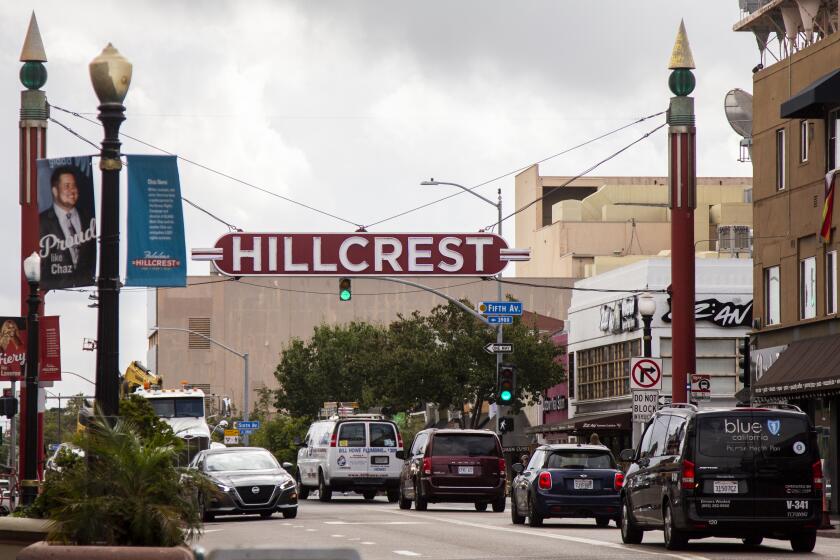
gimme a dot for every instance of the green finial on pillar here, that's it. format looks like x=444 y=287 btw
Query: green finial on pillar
x=33 y=74
x=681 y=81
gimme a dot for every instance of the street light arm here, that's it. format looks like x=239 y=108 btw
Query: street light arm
x=216 y=342
x=463 y=188
x=80 y=377
x=451 y=299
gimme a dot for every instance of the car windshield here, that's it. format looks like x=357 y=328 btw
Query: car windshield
x=241 y=461
x=464 y=445
x=192 y=407
x=575 y=459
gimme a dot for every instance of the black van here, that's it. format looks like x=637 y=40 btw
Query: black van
x=747 y=473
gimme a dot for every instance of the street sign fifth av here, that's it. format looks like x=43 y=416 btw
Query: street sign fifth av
x=500 y=307
x=645 y=374
x=499 y=348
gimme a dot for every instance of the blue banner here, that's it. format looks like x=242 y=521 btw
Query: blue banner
x=157 y=254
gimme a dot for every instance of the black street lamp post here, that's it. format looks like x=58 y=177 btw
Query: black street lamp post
x=110 y=74
x=29 y=484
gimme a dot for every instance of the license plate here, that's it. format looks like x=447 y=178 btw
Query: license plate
x=725 y=487
x=583 y=484
x=465 y=470
x=381 y=460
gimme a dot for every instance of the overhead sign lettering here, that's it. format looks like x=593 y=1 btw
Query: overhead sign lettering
x=500 y=307
x=645 y=374
x=619 y=316
x=725 y=314
x=358 y=254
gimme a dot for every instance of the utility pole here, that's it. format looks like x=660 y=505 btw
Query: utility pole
x=682 y=191
x=34 y=113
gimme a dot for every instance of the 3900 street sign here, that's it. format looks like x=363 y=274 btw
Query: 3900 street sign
x=359 y=254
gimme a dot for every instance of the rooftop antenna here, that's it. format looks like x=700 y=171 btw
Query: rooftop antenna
x=738 y=106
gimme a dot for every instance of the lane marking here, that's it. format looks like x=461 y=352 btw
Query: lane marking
x=580 y=540
x=406 y=553
x=211 y=530
x=375 y=523
x=337 y=536
x=311 y=530
x=368 y=542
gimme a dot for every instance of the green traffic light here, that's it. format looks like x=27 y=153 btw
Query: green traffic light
x=505 y=396
x=344 y=295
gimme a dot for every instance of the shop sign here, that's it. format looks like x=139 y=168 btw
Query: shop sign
x=724 y=314
x=619 y=316
x=553 y=404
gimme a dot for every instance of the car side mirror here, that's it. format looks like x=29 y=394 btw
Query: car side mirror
x=628 y=454
x=401 y=455
x=518 y=468
x=287 y=466
x=298 y=442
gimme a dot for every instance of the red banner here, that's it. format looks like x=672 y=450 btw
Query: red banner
x=13 y=340
x=357 y=254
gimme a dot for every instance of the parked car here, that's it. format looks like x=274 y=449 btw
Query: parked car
x=748 y=473
x=567 y=480
x=454 y=466
x=249 y=479
x=356 y=452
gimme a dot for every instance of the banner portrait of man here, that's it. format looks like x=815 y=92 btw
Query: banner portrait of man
x=67 y=222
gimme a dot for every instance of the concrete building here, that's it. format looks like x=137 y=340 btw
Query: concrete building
x=796 y=114
x=583 y=227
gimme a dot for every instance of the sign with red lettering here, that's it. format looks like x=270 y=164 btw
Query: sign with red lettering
x=50 y=349
x=13 y=341
x=360 y=254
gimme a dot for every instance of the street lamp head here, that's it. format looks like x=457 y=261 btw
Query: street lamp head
x=430 y=182
x=110 y=73
x=32 y=267
x=647 y=305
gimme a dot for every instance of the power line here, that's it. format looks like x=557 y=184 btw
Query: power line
x=217 y=172
x=605 y=290
x=488 y=181
x=585 y=172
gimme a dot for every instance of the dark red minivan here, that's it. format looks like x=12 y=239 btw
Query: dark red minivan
x=454 y=466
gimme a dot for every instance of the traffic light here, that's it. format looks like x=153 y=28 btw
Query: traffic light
x=8 y=406
x=345 y=289
x=744 y=361
x=507 y=384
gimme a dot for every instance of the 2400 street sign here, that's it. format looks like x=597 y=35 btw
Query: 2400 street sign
x=360 y=254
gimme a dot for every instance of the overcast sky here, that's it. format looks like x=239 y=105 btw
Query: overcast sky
x=347 y=105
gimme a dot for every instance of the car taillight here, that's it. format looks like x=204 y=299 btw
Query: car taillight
x=502 y=468
x=427 y=465
x=333 y=440
x=688 y=475
x=816 y=468
x=618 y=482
x=544 y=481
x=399 y=440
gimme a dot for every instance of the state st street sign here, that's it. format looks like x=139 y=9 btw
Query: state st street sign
x=360 y=254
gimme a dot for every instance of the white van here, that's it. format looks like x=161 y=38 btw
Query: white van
x=358 y=452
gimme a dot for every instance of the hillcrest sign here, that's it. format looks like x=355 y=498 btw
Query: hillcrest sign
x=360 y=254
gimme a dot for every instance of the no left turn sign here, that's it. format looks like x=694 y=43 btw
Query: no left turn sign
x=645 y=374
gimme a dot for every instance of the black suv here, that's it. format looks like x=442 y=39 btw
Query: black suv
x=747 y=473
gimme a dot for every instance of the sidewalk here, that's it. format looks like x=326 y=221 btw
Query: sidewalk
x=834 y=531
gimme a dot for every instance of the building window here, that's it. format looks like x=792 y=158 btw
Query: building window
x=604 y=372
x=201 y=326
x=772 y=308
x=831 y=282
x=570 y=376
x=808 y=288
x=804 y=140
x=780 y=159
x=832 y=159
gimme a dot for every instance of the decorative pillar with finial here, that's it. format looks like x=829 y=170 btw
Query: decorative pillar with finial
x=682 y=191
x=34 y=112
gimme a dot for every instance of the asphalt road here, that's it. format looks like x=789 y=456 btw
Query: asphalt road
x=379 y=530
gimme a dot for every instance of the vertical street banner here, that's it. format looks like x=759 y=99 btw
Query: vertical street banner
x=50 y=349
x=67 y=222
x=156 y=249
x=12 y=348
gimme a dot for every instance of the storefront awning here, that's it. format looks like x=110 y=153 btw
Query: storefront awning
x=609 y=421
x=806 y=367
x=815 y=99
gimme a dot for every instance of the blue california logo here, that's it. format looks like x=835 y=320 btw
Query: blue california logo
x=774 y=426
x=341 y=461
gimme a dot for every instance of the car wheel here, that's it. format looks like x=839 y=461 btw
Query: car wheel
x=324 y=491
x=803 y=542
x=393 y=496
x=481 y=506
x=289 y=513
x=303 y=491
x=753 y=541
x=369 y=495
x=674 y=538
x=630 y=531
x=499 y=504
x=403 y=501
x=421 y=503
x=602 y=521
x=515 y=518
x=534 y=517
x=266 y=514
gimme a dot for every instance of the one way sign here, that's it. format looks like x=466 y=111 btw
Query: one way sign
x=498 y=348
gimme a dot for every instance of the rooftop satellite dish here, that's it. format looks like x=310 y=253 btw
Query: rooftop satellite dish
x=738 y=106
